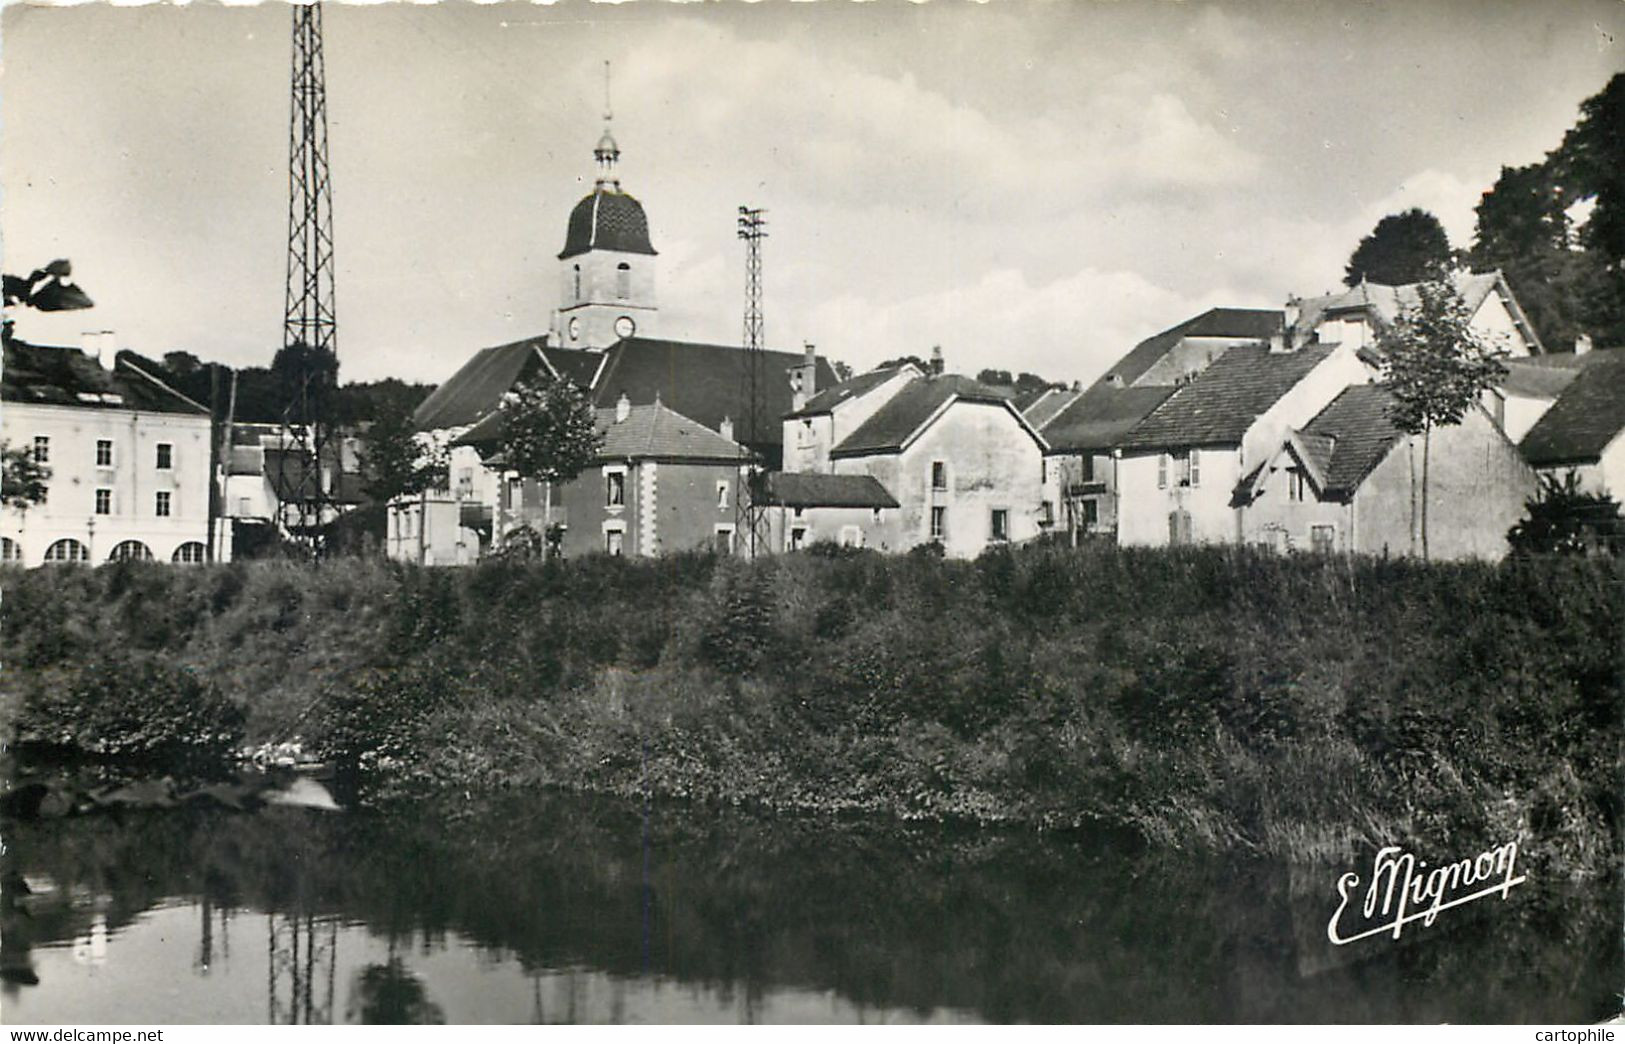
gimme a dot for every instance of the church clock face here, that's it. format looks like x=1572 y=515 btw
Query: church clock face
x=575 y=328
x=625 y=327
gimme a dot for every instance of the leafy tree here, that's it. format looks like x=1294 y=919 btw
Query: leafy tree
x=299 y=374
x=394 y=463
x=1403 y=248
x=549 y=432
x=1562 y=519
x=996 y=377
x=22 y=478
x=906 y=360
x=1590 y=163
x=1436 y=366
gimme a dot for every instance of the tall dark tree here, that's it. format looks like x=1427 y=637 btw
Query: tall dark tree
x=1523 y=230
x=1404 y=248
x=395 y=463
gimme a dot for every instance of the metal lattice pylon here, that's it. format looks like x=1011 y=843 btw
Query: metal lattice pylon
x=751 y=524
x=305 y=476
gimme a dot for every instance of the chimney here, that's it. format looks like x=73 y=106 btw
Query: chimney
x=1582 y=344
x=101 y=345
x=936 y=360
x=727 y=428
x=623 y=408
x=809 y=367
x=1279 y=341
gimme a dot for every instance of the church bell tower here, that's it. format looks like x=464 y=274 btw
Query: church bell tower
x=607 y=267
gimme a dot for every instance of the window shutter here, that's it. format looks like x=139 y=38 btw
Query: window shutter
x=1196 y=469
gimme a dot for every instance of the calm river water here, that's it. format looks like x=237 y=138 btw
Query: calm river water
x=557 y=909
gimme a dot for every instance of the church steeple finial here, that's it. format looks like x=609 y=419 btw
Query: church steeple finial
x=607 y=154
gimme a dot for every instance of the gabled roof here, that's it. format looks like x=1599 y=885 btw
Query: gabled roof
x=1043 y=409
x=703 y=381
x=1222 y=402
x=847 y=390
x=1350 y=437
x=478 y=386
x=50 y=376
x=1386 y=303
x=914 y=406
x=1098 y=419
x=650 y=432
x=808 y=489
x=1545 y=376
x=1253 y=324
x=1587 y=416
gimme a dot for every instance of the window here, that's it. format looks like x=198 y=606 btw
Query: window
x=939 y=474
x=1162 y=471
x=104 y=453
x=939 y=523
x=10 y=550
x=615 y=489
x=725 y=540
x=800 y=511
x=1086 y=470
x=722 y=496
x=613 y=542
x=131 y=551
x=623 y=280
x=516 y=493
x=42 y=449
x=798 y=538
x=1091 y=513
x=1000 y=530
x=161 y=508
x=465 y=483
x=875 y=515
x=67 y=550
x=1294 y=484
x=191 y=551
x=1322 y=539
x=104 y=502
x=577 y=277
x=166 y=456
x=1193 y=467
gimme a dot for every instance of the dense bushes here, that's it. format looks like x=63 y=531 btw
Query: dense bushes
x=133 y=708
x=1297 y=705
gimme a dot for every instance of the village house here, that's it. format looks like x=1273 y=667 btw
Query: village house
x=1080 y=468
x=1584 y=430
x=963 y=465
x=806 y=508
x=129 y=460
x=1359 y=315
x=1349 y=481
x=1177 y=469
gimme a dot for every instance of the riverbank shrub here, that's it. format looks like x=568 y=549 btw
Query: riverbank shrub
x=1300 y=706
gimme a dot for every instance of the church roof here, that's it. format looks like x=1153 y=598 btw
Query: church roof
x=478 y=386
x=702 y=381
x=607 y=220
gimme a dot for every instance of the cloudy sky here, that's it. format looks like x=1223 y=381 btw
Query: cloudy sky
x=1034 y=186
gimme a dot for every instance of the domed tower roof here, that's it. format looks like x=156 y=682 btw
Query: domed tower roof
x=606 y=220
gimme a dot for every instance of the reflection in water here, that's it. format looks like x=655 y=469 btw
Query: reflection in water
x=389 y=995
x=553 y=909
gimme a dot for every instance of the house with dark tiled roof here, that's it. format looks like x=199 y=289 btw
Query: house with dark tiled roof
x=1584 y=430
x=661 y=482
x=1176 y=468
x=1351 y=481
x=959 y=464
x=1184 y=350
x=1080 y=471
x=128 y=460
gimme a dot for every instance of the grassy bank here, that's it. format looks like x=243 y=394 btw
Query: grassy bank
x=1292 y=706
